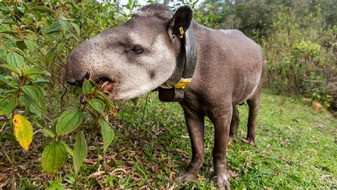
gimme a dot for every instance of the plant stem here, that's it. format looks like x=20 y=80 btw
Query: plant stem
x=12 y=158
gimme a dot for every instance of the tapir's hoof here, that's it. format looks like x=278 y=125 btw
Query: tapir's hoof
x=222 y=182
x=251 y=141
x=186 y=176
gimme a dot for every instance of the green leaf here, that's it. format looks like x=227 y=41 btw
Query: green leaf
x=41 y=80
x=48 y=132
x=68 y=36
x=106 y=99
x=86 y=87
x=28 y=28
x=33 y=3
x=35 y=71
x=19 y=52
x=8 y=21
x=36 y=93
x=7 y=106
x=77 y=28
x=21 y=45
x=68 y=149
x=80 y=151
x=55 y=27
x=49 y=56
x=108 y=133
x=12 y=68
x=97 y=105
x=69 y=121
x=11 y=83
x=42 y=9
x=32 y=91
x=9 y=41
x=7 y=31
x=32 y=106
x=64 y=25
x=15 y=59
x=54 y=157
x=74 y=6
x=30 y=44
x=35 y=96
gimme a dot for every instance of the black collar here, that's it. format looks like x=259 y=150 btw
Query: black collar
x=176 y=93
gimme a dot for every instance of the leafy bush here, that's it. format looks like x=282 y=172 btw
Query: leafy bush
x=298 y=59
x=36 y=38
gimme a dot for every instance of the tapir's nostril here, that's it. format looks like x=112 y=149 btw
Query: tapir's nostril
x=79 y=82
x=87 y=75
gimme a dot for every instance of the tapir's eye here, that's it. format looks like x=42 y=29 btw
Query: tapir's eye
x=137 y=50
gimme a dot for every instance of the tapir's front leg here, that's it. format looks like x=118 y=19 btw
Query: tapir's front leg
x=195 y=125
x=234 y=123
x=221 y=119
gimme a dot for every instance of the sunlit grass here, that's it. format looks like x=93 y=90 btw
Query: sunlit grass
x=296 y=149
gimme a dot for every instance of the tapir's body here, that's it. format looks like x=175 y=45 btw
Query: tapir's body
x=146 y=53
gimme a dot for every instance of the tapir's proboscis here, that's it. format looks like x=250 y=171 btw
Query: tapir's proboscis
x=207 y=71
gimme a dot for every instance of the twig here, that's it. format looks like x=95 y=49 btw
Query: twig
x=12 y=160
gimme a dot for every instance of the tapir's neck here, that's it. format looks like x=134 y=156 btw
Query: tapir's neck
x=172 y=92
x=186 y=61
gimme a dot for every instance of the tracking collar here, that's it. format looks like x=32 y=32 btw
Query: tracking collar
x=176 y=93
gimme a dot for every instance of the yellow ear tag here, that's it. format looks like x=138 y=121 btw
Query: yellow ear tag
x=181 y=30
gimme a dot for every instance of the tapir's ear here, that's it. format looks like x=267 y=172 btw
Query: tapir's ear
x=180 y=22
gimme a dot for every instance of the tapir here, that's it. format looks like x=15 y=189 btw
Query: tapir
x=209 y=72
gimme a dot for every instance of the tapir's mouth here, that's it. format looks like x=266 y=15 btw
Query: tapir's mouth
x=106 y=85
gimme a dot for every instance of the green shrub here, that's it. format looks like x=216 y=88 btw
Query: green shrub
x=301 y=58
x=36 y=38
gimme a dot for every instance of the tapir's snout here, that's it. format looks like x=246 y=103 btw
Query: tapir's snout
x=79 y=81
x=75 y=72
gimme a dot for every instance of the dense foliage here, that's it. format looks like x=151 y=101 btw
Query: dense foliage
x=299 y=39
x=36 y=38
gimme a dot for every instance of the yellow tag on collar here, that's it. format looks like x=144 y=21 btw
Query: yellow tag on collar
x=181 y=30
x=182 y=83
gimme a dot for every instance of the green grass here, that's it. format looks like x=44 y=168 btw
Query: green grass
x=297 y=149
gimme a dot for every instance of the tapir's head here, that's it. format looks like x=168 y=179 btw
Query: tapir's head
x=133 y=58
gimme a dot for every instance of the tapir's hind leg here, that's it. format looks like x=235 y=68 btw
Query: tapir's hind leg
x=253 y=109
x=253 y=103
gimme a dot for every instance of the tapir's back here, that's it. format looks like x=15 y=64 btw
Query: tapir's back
x=228 y=63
